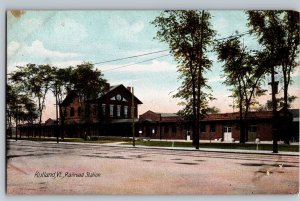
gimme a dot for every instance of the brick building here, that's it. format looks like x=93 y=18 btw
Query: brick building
x=161 y=126
x=109 y=114
x=221 y=127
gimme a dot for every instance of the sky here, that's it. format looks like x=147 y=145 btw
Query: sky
x=68 y=38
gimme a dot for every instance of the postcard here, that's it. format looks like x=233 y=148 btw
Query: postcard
x=156 y=102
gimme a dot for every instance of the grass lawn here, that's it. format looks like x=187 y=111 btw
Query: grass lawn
x=127 y=141
x=281 y=147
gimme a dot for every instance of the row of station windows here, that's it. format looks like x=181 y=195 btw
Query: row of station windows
x=120 y=110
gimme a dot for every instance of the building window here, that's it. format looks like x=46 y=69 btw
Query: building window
x=103 y=109
x=173 y=129
x=202 y=128
x=125 y=111
x=111 y=111
x=79 y=111
x=212 y=128
x=65 y=111
x=252 y=128
x=72 y=112
x=94 y=110
x=118 y=110
x=166 y=129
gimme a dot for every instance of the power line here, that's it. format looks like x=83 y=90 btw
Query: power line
x=108 y=61
x=131 y=57
x=136 y=63
x=233 y=36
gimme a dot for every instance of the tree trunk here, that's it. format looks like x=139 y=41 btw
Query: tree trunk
x=274 y=112
x=242 y=127
x=195 y=122
x=199 y=84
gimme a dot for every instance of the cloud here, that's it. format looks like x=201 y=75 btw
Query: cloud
x=296 y=72
x=216 y=79
x=69 y=31
x=13 y=48
x=36 y=49
x=221 y=24
x=122 y=28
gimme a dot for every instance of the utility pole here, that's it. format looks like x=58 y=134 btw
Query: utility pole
x=274 y=86
x=17 y=123
x=132 y=115
x=56 y=124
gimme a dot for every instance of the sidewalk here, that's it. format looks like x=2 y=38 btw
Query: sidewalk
x=119 y=144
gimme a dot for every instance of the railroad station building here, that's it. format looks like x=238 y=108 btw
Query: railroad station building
x=111 y=115
x=108 y=115
x=217 y=127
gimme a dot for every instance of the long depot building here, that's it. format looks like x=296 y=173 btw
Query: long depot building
x=111 y=115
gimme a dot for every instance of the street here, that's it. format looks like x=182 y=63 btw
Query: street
x=66 y=168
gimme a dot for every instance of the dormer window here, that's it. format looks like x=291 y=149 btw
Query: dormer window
x=118 y=97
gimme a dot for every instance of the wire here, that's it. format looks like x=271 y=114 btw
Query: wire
x=237 y=35
x=135 y=63
x=108 y=61
x=234 y=36
x=131 y=57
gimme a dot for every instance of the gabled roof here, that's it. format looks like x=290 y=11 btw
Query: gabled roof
x=112 y=88
x=236 y=115
x=69 y=98
x=50 y=121
x=73 y=95
x=168 y=114
x=151 y=116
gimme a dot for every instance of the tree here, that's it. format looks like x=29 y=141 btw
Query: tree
x=280 y=101
x=89 y=84
x=243 y=71
x=11 y=103
x=212 y=110
x=60 y=86
x=189 y=35
x=34 y=80
x=278 y=33
x=19 y=107
x=278 y=30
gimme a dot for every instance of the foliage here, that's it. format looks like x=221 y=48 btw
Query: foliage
x=19 y=107
x=278 y=32
x=243 y=71
x=87 y=82
x=268 y=105
x=34 y=82
x=189 y=35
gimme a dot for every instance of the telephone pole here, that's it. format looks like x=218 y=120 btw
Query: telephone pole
x=274 y=86
x=132 y=115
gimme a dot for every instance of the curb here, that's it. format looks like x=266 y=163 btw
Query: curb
x=238 y=151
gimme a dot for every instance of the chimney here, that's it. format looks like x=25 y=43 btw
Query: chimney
x=107 y=87
x=129 y=88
